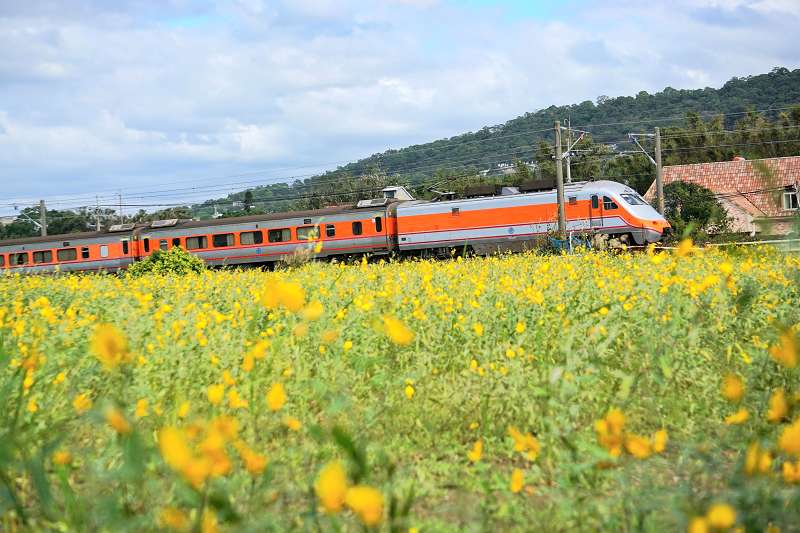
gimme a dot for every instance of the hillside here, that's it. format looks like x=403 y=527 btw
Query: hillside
x=608 y=119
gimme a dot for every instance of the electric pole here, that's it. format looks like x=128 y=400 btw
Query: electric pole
x=97 y=214
x=659 y=174
x=562 y=216
x=42 y=218
x=569 y=152
x=121 y=218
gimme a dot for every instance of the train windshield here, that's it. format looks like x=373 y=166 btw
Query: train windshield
x=633 y=199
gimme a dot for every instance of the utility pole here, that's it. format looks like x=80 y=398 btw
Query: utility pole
x=97 y=214
x=569 y=152
x=562 y=216
x=659 y=174
x=121 y=218
x=634 y=137
x=43 y=218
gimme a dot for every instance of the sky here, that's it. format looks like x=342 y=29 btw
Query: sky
x=149 y=98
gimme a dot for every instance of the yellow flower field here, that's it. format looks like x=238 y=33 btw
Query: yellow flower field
x=654 y=391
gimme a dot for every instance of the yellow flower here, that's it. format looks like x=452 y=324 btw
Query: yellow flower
x=684 y=248
x=248 y=362
x=526 y=443
x=474 y=455
x=397 y=332
x=637 y=446
x=347 y=345
x=62 y=457
x=786 y=351
x=82 y=403
x=520 y=327
x=236 y=401
x=313 y=311
x=292 y=296
x=732 y=388
x=789 y=440
x=32 y=406
x=603 y=311
x=739 y=417
x=409 y=391
x=778 y=406
x=141 y=409
x=517 y=480
x=173 y=518
x=174 y=448
x=660 y=440
x=117 y=420
x=367 y=503
x=791 y=472
x=209 y=524
x=109 y=346
x=721 y=516
x=215 y=394
x=726 y=268
x=292 y=423
x=276 y=397
x=478 y=329
x=331 y=487
x=259 y=350
x=183 y=409
x=255 y=463
x=698 y=524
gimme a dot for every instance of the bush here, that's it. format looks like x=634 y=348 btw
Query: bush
x=174 y=261
x=694 y=211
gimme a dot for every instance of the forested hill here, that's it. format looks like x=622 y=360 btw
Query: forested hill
x=642 y=112
x=609 y=120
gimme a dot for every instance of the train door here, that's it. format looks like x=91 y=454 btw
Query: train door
x=596 y=212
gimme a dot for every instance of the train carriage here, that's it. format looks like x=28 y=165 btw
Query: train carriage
x=107 y=251
x=515 y=220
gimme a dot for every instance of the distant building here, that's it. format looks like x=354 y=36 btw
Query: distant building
x=759 y=195
x=5 y=221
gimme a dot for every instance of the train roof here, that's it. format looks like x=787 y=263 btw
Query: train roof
x=326 y=211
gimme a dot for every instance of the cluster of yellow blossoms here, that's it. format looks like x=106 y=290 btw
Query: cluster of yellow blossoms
x=334 y=491
x=612 y=436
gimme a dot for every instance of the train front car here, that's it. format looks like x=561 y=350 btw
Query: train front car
x=616 y=209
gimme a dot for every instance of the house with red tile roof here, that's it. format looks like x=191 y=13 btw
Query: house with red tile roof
x=760 y=195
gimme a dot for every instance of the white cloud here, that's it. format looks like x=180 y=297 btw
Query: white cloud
x=132 y=93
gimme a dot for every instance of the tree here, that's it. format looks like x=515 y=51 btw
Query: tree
x=248 y=200
x=693 y=211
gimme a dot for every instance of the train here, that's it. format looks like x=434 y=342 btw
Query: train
x=510 y=219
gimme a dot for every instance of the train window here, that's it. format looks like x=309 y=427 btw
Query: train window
x=221 y=240
x=195 y=243
x=357 y=229
x=595 y=202
x=85 y=252
x=18 y=259
x=146 y=243
x=2 y=260
x=608 y=203
x=378 y=224
x=125 y=247
x=280 y=235
x=251 y=237
x=103 y=250
x=44 y=256
x=307 y=233
x=162 y=244
x=455 y=211
x=573 y=200
x=633 y=199
x=67 y=254
x=176 y=241
x=330 y=230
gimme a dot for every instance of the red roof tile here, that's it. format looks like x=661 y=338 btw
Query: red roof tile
x=745 y=180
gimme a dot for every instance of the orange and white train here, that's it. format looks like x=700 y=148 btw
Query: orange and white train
x=395 y=223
